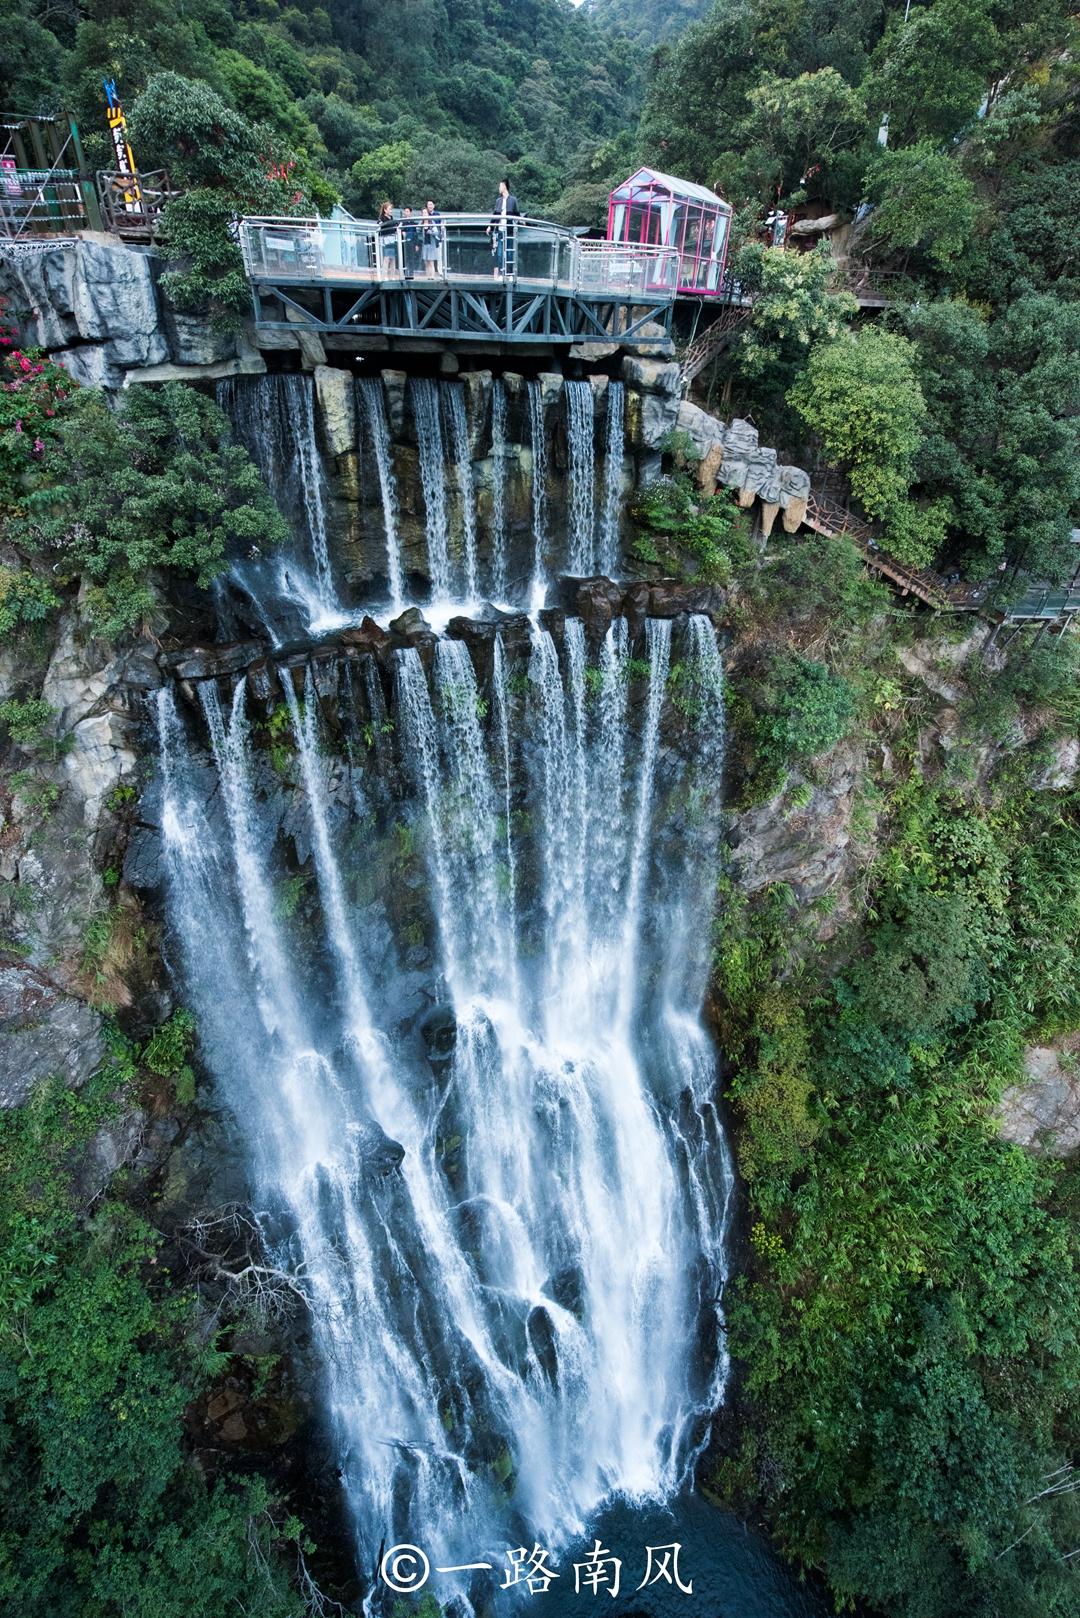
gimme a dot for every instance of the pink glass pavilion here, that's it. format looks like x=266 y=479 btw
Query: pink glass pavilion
x=657 y=210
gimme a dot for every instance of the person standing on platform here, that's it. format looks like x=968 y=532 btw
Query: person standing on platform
x=505 y=209
x=388 y=239
x=410 y=242
x=432 y=232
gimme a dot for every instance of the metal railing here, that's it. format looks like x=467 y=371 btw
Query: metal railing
x=467 y=247
x=138 y=222
x=44 y=187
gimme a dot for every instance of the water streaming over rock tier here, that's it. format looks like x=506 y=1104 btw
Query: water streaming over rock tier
x=469 y=1063
x=580 y=427
x=498 y=491
x=453 y=394
x=424 y=399
x=274 y=417
x=608 y=545
x=370 y=396
x=538 y=443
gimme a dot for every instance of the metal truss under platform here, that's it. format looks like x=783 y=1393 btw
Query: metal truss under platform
x=466 y=310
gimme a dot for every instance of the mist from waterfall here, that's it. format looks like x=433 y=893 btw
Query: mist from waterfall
x=500 y=1178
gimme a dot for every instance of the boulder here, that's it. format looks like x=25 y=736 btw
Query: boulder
x=43 y=1033
x=659 y=415
x=411 y=629
x=595 y=601
x=652 y=376
x=368 y=636
x=704 y=430
x=551 y=387
x=593 y=353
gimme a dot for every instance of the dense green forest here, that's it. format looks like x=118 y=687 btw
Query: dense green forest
x=648 y=21
x=907 y=1333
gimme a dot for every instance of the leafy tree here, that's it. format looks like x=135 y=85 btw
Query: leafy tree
x=460 y=176
x=809 y=709
x=1001 y=443
x=158 y=485
x=860 y=394
x=923 y=200
x=930 y=73
x=803 y=122
x=795 y=306
x=381 y=174
x=230 y=168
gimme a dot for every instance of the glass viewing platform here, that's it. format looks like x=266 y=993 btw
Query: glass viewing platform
x=526 y=281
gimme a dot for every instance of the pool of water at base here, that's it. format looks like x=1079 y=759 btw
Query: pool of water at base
x=732 y=1570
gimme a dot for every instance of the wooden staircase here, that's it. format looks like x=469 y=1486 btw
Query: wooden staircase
x=712 y=341
x=828 y=517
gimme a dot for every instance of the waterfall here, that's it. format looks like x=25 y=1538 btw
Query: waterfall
x=369 y=394
x=454 y=398
x=274 y=418
x=538 y=440
x=498 y=491
x=579 y=434
x=424 y=396
x=613 y=459
x=507 y=1216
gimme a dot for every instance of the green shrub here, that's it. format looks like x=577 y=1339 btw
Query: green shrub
x=809 y=710
x=25 y=721
x=157 y=484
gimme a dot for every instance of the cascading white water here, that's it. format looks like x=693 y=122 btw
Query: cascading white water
x=498 y=491
x=369 y=392
x=613 y=458
x=581 y=517
x=274 y=417
x=538 y=443
x=424 y=397
x=511 y=1320
x=454 y=400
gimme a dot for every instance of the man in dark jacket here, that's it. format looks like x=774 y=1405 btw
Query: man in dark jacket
x=500 y=230
x=410 y=242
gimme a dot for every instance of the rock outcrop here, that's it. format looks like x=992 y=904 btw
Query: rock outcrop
x=1043 y=1113
x=44 y=1033
x=96 y=306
